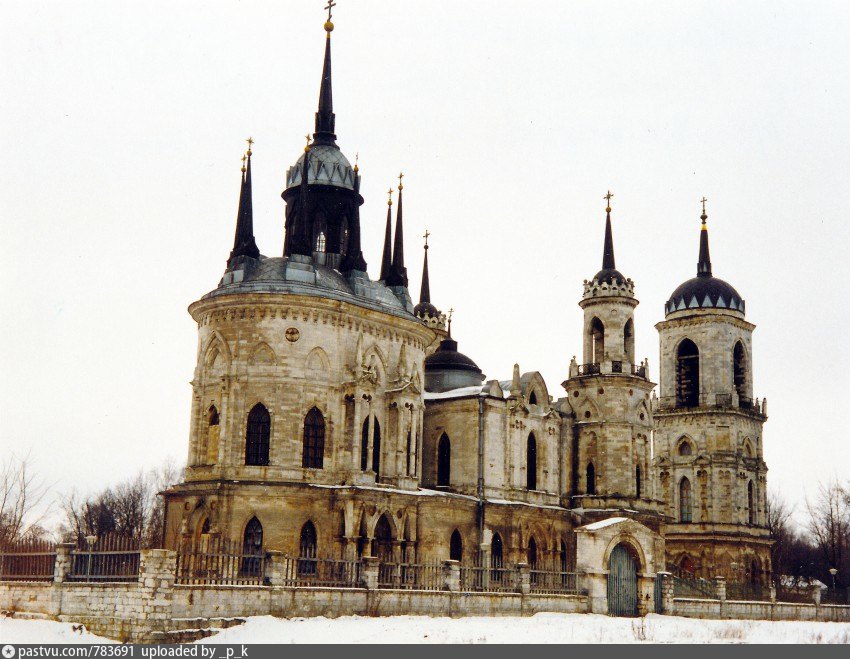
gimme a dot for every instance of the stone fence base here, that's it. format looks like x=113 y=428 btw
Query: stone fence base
x=726 y=609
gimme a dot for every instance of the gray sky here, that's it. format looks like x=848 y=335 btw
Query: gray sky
x=122 y=131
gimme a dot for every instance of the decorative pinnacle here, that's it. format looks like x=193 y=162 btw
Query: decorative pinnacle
x=356 y=162
x=703 y=217
x=427 y=233
x=400 y=176
x=607 y=198
x=250 y=141
x=390 y=199
x=329 y=27
x=451 y=313
x=244 y=158
x=307 y=146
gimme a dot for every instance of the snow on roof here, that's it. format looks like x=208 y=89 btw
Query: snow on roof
x=454 y=393
x=604 y=523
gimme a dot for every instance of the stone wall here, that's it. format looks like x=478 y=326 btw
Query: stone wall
x=718 y=609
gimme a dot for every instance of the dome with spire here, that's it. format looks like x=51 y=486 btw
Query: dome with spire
x=327 y=166
x=705 y=291
x=447 y=369
x=609 y=280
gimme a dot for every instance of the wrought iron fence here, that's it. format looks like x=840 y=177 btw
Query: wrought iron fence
x=218 y=561
x=794 y=594
x=492 y=579
x=410 y=576
x=554 y=582
x=833 y=596
x=110 y=558
x=747 y=592
x=693 y=588
x=27 y=560
x=308 y=571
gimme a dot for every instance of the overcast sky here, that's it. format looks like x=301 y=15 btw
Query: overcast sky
x=122 y=126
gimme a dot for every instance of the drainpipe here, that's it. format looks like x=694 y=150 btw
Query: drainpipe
x=480 y=470
x=574 y=486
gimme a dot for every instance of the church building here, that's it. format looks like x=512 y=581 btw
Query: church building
x=331 y=417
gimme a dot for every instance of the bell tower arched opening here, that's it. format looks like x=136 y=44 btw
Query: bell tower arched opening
x=687 y=374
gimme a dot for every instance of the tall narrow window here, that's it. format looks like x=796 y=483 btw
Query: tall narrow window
x=313 y=452
x=320 y=242
x=629 y=341
x=407 y=453
x=496 y=556
x=212 y=416
x=637 y=481
x=444 y=461
x=751 y=503
x=257 y=436
x=687 y=374
x=252 y=548
x=591 y=479
x=532 y=398
x=456 y=546
x=532 y=553
x=562 y=554
x=531 y=462
x=364 y=446
x=685 y=506
x=382 y=546
x=307 y=550
x=343 y=240
x=597 y=340
x=739 y=372
x=212 y=435
x=376 y=449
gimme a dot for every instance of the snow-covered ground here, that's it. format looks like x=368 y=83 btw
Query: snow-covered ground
x=541 y=628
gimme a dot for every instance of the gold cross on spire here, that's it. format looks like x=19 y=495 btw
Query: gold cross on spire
x=451 y=313
x=400 y=176
x=330 y=6
x=307 y=146
x=427 y=233
x=390 y=194
x=357 y=162
x=329 y=27
x=607 y=198
x=244 y=158
x=250 y=141
x=702 y=201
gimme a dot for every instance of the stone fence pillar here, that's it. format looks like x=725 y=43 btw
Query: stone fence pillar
x=667 y=603
x=369 y=572
x=157 y=571
x=276 y=567
x=62 y=566
x=772 y=593
x=524 y=578
x=484 y=554
x=451 y=576
x=816 y=595
x=720 y=588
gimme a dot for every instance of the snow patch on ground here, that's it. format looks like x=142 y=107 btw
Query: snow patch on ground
x=541 y=628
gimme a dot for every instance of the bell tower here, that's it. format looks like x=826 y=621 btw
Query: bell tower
x=608 y=394
x=708 y=441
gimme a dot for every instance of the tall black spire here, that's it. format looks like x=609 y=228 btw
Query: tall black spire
x=425 y=290
x=243 y=241
x=704 y=264
x=608 y=249
x=386 y=259
x=325 y=118
x=398 y=273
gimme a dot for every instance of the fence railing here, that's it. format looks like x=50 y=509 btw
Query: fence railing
x=554 y=583
x=304 y=572
x=27 y=560
x=693 y=588
x=427 y=576
x=747 y=592
x=589 y=369
x=217 y=561
x=109 y=558
x=493 y=579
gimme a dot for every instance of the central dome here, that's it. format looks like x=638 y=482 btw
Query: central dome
x=327 y=166
x=704 y=293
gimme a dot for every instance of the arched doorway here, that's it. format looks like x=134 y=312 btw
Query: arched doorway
x=622 y=582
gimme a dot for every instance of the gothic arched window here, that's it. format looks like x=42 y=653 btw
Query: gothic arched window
x=591 y=479
x=456 y=546
x=257 y=436
x=685 y=448
x=597 y=340
x=531 y=463
x=252 y=548
x=444 y=461
x=382 y=546
x=496 y=557
x=532 y=553
x=687 y=374
x=364 y=446
x=685 y=504
x=313 y=453
x=321 y=242
x=532 y=398
x=307 y=550
x=376 y=449
x=212 y=416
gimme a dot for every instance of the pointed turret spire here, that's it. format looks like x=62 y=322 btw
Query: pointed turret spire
x=704 y=264
x=398 y=273
x=386 y=259
x=425 y=290
x=608 y=249
x=325 y=118
x=516 y=387
x=244 y=243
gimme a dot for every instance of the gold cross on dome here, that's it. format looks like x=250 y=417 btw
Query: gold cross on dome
x=427 y=233
x=331 y=5
x=244 y=158
x=702 y=201
x=607 y=198
x=390 y=194
x=250 y=141
x=400 y=176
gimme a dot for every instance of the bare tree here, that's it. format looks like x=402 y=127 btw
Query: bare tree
x=778 y=523
x=829 y=525
x=21 y=496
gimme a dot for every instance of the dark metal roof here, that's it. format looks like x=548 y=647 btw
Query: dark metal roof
x=704 y=292
x=447 y=358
